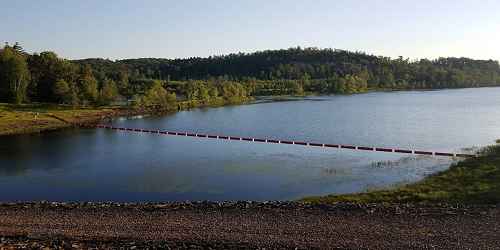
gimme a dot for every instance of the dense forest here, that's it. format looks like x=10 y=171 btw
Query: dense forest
x=45 y=77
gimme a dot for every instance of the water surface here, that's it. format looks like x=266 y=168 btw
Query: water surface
x=103 y=165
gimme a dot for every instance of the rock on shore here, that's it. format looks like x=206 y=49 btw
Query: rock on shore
x=254 y=225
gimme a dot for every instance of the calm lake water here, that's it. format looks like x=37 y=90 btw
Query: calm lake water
x=103 y=165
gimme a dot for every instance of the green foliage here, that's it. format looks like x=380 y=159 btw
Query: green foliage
x=315 y=70
x=233 y=92
x=62 y=90
x=88 y=84
x=14 y=75
x=109 y=92
x=232 y=78
x=191 y=90
x=47 y=69
x=66 y=93
x=123 y=83
x=158 y=96
x=207 y=92
x=44 y=70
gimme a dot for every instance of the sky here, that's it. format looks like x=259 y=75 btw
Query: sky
x=118 y=29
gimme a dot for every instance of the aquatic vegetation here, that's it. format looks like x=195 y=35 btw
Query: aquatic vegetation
x=398 y=162
x=471 y=181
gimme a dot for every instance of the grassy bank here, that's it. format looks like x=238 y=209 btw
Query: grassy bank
x=35 y=118
x=472 y=181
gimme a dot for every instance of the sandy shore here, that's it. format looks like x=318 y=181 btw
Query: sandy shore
x=248 y=225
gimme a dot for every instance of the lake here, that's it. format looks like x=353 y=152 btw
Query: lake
x=106 y=165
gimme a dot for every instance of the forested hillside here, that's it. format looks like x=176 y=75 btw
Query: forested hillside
x=45 y=77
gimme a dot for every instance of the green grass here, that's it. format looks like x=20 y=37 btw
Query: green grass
x=31 y=118
x=471 y=181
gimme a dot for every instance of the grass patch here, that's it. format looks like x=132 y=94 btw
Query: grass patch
x=471 y=181
x=31 y=118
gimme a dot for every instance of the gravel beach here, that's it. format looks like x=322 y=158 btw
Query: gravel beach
x=248 y=225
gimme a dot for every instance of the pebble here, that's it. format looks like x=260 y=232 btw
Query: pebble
x=285 y=218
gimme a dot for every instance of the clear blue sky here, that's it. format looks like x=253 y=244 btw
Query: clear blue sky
x=172 y=29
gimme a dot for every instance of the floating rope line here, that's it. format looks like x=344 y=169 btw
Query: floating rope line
x=312 y=144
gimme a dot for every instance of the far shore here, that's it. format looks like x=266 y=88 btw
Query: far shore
x=37 y=118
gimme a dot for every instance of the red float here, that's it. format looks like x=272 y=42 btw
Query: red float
x=404 y=151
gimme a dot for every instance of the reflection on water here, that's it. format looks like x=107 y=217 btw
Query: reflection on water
x=88 y=164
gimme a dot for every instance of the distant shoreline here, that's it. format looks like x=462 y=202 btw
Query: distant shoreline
x=39 y=118
x=21 y=119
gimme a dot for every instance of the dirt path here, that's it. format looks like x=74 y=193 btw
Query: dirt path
x=252 y=225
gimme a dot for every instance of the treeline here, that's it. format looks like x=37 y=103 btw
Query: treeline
x=295 y=70
x=45 y=77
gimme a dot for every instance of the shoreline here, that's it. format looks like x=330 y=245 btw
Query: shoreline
x=39 y=118
x=53 y=121
x=472 y=181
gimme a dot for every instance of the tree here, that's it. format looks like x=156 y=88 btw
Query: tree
x=341 y=86
x=18 y=48
x=109 y=92
x=62 y=91
x=296 y=88
x=44 y=75
x=231 y=77
x=66 y=92
x=203 y=93
x=387 y=78
x=88 y=84
x=191 y=90
x=123 y=83
x=46 y=70
x=14 y=75
x=158 y=96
